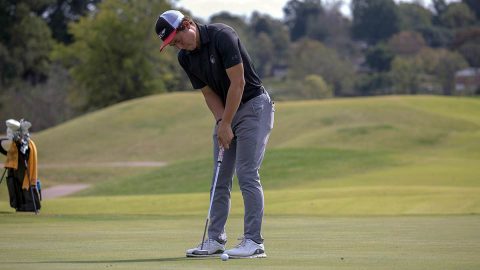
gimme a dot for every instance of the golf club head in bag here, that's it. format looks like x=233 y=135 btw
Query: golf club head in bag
x=12 y=127
x=18 y=132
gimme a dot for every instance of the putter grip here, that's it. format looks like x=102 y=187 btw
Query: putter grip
x=220 y=155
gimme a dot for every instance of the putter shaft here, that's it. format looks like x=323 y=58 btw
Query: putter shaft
x=219 y=162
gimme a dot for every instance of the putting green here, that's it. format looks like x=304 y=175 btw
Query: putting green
x=159 y=242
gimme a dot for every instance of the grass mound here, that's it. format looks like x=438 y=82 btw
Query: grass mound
x=381 y=155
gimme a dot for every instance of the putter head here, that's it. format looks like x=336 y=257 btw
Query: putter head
x=201 y=252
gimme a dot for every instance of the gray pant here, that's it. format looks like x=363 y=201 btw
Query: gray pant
x=251 y=127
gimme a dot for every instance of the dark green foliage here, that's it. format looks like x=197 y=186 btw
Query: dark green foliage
x=301 y=18
x=414 y=16
x=379 y=58
x=374 y=20
x=474 y=5
x=61 y=12
x=373 y=84
x=25 y=42
x=310 y=57
x=270 y=42
x=114 y=57
x=467 y=42
x=436 y=36
x=457 y=15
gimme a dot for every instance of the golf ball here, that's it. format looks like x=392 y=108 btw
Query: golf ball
x=224 y=256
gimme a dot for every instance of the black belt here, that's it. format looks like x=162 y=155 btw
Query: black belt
x=256 y=94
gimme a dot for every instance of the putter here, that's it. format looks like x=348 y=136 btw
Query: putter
x=219 y=162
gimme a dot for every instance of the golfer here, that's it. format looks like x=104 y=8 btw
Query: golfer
x=218 y=64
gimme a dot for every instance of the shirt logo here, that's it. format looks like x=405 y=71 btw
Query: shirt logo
x=212 y=59
x=162 y=33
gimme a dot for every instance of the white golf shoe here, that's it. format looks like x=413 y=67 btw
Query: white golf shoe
x=247 y=249
x=210 y=248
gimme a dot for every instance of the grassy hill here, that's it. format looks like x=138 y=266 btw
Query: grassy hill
x=349 y=184
x=382 y=155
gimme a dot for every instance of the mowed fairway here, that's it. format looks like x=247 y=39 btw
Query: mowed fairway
x=300 y=242
x=367 y=183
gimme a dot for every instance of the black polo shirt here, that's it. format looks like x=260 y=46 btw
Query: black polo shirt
x=220 y=49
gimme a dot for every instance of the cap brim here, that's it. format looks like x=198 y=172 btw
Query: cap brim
x=168 y=39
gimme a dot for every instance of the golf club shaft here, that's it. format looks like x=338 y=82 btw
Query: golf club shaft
x=217 y=171
x=204 y=232
x=212 y=195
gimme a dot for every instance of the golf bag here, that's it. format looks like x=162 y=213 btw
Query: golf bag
x=23 y=188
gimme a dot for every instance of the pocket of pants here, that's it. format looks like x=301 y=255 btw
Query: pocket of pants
x=257 y=105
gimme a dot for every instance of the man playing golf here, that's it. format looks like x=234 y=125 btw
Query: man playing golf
x=218 y=64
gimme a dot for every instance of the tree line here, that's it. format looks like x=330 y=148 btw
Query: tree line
x=63 y=58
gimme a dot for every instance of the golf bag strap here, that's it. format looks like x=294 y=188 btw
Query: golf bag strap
x=3 y=175
x=3 y=151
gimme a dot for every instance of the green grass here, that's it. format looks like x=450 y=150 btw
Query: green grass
x=368 y=145
x=159 y=242
x=364 y=144
x=178 y=127
x=163 y=127
x=283 y=168
x=384 y=183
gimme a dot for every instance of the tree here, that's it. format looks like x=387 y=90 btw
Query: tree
x=436 y=36
x=315 y=88
x=31 y=46
x=430 y=71
x=379 y=58
x=45 y=104
x=7 y=67
x=467 y=43
x=379 y=83
x=25 y=42
x=457 y=15
x=60 y=13
x=271 y=43
x=406 y=43
x=449 y=63
x=264 y=54
x=406 y=75
x=374 y=20
x=471 y=52
x=322 y=21
x=414 y=16
x=440 y=6
x=115 y=54
x=335 y=29
x=312 y=57
x=301 y=18
x=474 y=6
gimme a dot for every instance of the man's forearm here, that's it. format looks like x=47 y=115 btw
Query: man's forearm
x=234 y=98
x=235 y=92
x=214 y=103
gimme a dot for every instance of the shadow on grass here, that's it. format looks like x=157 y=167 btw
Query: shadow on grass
x=174 y=259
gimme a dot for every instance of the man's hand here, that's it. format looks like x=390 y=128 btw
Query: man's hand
x=224 y=134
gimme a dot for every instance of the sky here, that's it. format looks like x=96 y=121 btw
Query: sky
x=205 y=8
